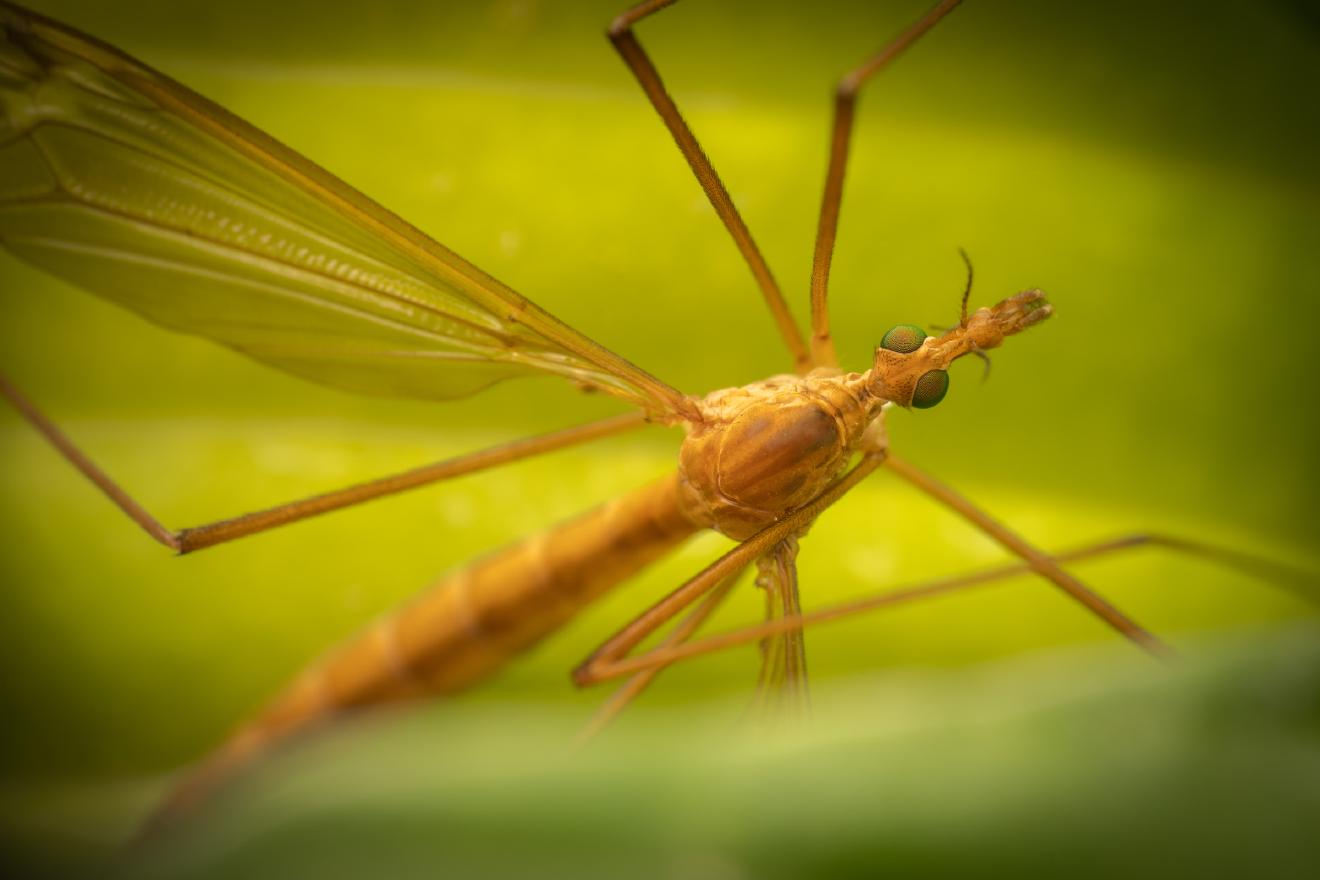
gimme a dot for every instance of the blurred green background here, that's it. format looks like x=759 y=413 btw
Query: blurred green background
x=1151 y=167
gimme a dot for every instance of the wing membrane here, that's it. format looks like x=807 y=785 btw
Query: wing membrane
x=126 y=183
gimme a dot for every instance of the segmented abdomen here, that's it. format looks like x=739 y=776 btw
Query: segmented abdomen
x=463 y=628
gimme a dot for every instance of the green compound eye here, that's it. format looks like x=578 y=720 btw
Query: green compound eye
x=931 y=389
x=904 y=339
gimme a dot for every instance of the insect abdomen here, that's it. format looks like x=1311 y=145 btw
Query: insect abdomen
x=460 y=630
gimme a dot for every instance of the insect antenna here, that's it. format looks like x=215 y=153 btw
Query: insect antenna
x=966 y=296
x=962 y=319
x=967 y=291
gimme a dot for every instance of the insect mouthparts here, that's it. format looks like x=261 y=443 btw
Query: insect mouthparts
x=1022 y=310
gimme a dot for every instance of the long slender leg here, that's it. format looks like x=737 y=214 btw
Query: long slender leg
x=770 y=677
x=795 y=643
x=1040 y=562
x=845 y=102
x=766 y=648
x=197 y=537
x=635 y=686
x=783 y=677
x=1305 y=584
x=625 y=41
x=606 y=658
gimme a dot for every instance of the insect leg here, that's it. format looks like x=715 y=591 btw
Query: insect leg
x=1305 y=584
x=845 y=101
x=783 y=675
x=639 y=682
x=621 y=35
x=197 y=537
x=609 y=658
x=1039 y=561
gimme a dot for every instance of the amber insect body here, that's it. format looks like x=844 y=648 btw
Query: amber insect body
x=133 y=186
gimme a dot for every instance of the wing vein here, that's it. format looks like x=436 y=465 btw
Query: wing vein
x=283 y=261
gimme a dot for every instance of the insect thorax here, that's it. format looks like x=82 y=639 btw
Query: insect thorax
x=769 y=447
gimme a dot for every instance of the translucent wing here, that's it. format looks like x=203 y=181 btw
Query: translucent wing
x=124 y=182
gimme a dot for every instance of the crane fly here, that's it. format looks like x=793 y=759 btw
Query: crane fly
x=128 y=184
